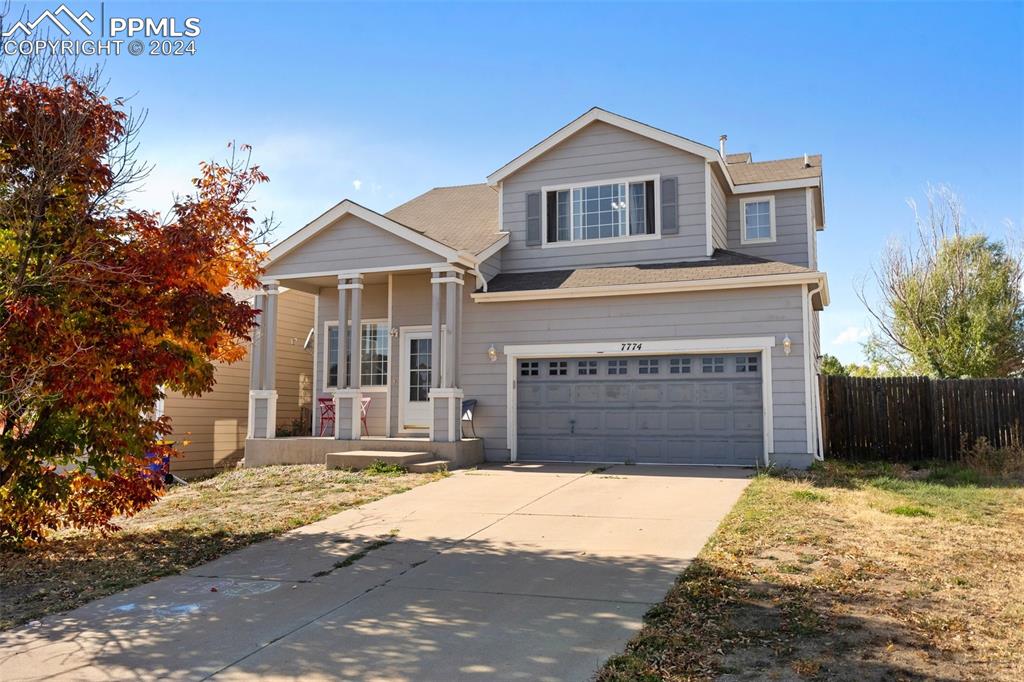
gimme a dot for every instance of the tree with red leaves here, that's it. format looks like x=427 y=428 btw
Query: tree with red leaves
x=102 y=307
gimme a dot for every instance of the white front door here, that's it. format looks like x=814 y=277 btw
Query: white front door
x=417 y=365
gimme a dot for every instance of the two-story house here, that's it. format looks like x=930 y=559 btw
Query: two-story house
x=616 y=293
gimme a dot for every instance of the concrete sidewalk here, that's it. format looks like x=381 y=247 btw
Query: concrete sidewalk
x=515 y=572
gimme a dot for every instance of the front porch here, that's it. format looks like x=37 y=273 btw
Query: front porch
x=403 y=394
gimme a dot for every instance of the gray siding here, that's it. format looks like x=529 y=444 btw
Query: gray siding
x=719 y=213
x=790 y=245
x=350 y=243
x=772 y=311
x=598 y=152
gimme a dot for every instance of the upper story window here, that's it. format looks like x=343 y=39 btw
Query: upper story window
x=620 y=209
x=758 y=220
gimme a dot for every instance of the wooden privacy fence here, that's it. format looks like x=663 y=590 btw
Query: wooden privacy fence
x=916 y=418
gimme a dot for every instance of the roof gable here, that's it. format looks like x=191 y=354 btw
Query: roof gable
x=597 y=114
x=348 y=207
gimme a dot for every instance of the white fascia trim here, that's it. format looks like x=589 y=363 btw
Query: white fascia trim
x=753 y=187
x=349 y=207
x=708 y=232
x=492 y=249
x=753 y=344
x=596 y=114
x=654 y=288
x=363 y=271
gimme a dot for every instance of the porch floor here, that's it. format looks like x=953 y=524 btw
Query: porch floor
x=314 y=449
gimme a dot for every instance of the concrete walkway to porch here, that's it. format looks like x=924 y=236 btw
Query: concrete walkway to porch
x=505 y=572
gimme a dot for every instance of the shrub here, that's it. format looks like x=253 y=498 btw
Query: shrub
x=995 y=463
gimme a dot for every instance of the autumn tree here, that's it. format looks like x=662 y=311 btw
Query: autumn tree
x=103 y=307
x=949 y=303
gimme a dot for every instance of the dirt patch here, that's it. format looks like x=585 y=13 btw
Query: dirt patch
x=813 y=576
x=191 y=525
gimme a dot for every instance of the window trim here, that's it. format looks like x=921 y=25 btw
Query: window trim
x=545 y=244
x=327 y=361
x=770 y=198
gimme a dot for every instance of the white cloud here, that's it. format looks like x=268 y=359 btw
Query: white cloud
x=851 y=335
x=357 y=184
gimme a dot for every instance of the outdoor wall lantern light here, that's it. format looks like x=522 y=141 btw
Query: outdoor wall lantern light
x=787 y=345
x=492 y=353
x=394 y=332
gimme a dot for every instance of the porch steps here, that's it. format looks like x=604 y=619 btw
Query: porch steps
x=428 y=467
x=361 y=459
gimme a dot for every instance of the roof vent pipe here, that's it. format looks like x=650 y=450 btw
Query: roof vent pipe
x=721 y=144
x=807 y=162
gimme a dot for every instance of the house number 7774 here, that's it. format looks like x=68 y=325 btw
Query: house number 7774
x=632 y=346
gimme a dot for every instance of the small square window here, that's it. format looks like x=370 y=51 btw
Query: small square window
x=679 y=366
x=713 y=365
x=758 y=219
x=617 y=367
x=529 y=369
x=558 y=368
x=586 y=367
x=649 y=365
x=746 y=364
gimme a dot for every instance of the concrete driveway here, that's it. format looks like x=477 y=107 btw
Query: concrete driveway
x=535 y=572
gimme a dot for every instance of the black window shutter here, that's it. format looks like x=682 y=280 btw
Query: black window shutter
x=669 y=211
x=552 y=199
x=533 y=219
x=649 y=204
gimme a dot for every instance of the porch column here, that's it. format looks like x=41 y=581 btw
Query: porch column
x=347 y=397
x=262 y=413
x=446 y=400
x=435 y=327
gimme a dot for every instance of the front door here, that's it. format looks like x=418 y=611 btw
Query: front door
x=417 y=365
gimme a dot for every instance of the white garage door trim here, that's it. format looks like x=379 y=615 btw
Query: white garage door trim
x=756 y=344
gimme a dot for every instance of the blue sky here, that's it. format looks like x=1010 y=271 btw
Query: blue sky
x=400 y=98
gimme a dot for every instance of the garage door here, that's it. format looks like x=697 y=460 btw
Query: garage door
x=683 y=409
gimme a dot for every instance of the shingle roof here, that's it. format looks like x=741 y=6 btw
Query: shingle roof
x=463 y=217
x=723 y=264
x=774 y=171
x=738 y=157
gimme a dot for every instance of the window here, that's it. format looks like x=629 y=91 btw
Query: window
x=758 y=215
x=375 y=350
x=713 y=365
x=558 y=368
x=746 y=364
x=586 y=367
x=679 y=366
x=529 y=369
x=606 y=211
x=648 y=366
x=616 y=367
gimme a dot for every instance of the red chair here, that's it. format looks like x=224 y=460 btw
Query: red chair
x=326 y=416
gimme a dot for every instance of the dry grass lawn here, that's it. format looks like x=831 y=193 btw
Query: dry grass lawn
x=189 y=526
x=848 y=573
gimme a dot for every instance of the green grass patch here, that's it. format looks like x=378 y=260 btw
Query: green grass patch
x=382 y=468
x=809 y=496
x=910 y=510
